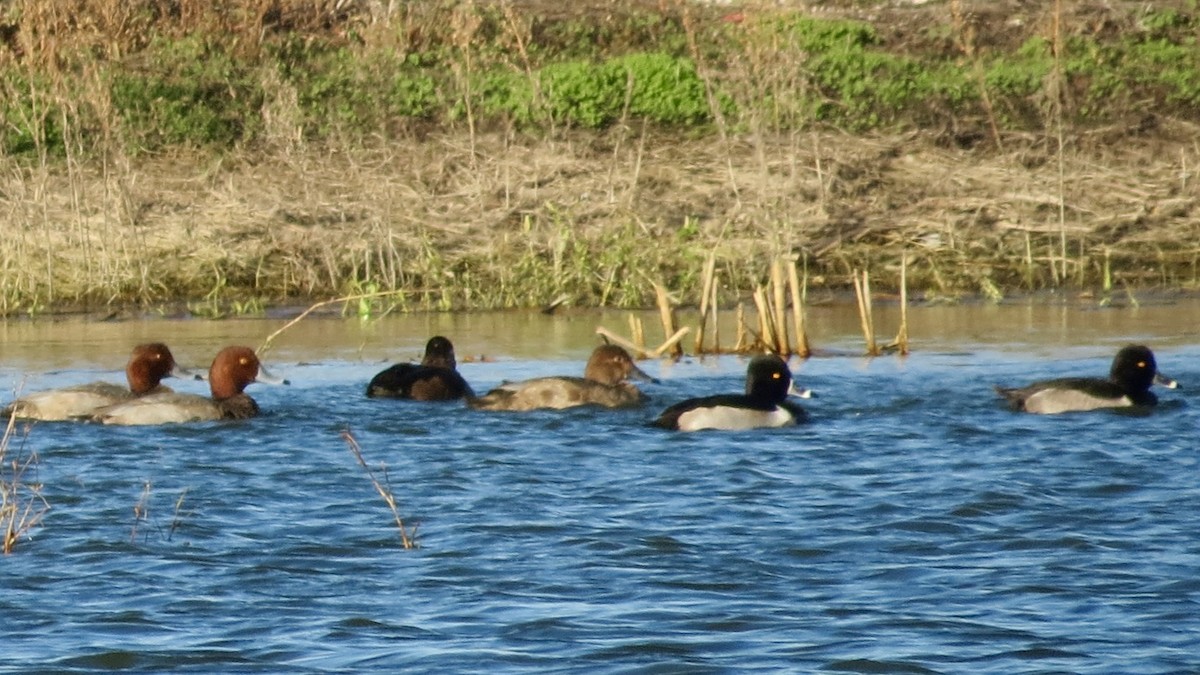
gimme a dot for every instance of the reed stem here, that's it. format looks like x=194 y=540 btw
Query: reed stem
x=862 y=290
x=407 y=537
x=803 y=349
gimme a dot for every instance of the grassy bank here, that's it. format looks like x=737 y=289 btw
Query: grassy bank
x=497 y=154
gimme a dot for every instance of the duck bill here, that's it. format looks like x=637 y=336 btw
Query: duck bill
x=800 y=392
x=636 y=373
x=266 y=377
x=1164 y=381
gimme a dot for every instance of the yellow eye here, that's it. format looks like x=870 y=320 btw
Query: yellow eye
x=776 y=376
x=1141 y=364
x=243 y=360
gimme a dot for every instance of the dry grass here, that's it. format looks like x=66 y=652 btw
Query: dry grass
x=505 y=222
x=477 y=217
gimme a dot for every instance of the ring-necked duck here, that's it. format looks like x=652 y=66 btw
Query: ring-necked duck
x=604 y=383
x=148 y=365
x=232 y=370
x=1133 y=372
x=768 y=385
x=436 y=378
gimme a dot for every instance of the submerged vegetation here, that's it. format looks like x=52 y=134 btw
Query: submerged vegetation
x=501 y=153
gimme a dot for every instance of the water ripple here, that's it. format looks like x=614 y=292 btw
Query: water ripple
x=919 y=529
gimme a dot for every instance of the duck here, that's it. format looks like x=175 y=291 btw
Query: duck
x=1133 y=372
x=768 y=384
x=436 y=378
x=148 y=365
x=231 y=371
x=604 y=383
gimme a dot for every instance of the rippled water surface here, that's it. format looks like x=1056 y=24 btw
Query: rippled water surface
x=914 y=526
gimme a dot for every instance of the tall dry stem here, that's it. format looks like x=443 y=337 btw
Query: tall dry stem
x=383 y=487
x=796 y=288
x=706 y=291
x=22 y=505
x=862 y=290
x=1057 y=91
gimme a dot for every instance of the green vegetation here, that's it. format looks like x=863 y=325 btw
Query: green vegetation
x=93 y=94
x=214 y=84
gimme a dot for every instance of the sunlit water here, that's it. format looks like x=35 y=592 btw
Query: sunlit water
x=914 y=526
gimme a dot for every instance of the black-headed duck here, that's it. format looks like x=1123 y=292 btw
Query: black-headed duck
x=1133 y=372
x=768 y=385
x=436 y=378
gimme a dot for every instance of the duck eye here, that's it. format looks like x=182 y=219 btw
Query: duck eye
x=243 y=360
x=1141 y=364
x=776 y=376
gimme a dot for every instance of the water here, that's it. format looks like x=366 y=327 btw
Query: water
x=914 y=526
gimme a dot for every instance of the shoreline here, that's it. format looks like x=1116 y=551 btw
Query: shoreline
x=519 y=222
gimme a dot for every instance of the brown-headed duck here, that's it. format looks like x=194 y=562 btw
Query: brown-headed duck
x=232 y=370
x=148 y=365
x=604 y=383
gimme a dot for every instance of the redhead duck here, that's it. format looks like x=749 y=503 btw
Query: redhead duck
x=1128 y=384
x=148 y=365
x=232 y=370
x=434 y=379
x=768 y=384
x=603 y=384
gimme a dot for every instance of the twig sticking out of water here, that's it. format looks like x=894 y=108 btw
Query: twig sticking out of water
x=779 y=309
x=407 y=537
x=266 y=344
x=900 y=344
x=797 y=289
x=177 y=516
x=862 y=289
x=22 y=505
x=707 y=302
x=141 y=511
x=667 y=314
x=141 y=514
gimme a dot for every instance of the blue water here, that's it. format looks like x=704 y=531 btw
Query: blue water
x=914 y=526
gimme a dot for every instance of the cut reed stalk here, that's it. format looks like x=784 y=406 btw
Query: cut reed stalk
x=716 y=325
x=779 y=309
x=637 y=332
x=407 y=536
x=740 y=321
x=766 y=336
x=609 y=336
x=862 y=289
x=706 y=290
x=672 y=344
x=667 y=315
x=803 y=349
x=900 y=344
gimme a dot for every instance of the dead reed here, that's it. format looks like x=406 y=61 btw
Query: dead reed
x=22 y=506
x=383 y=487
x=141 y=511
x=862 y=292
x=142 y=515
